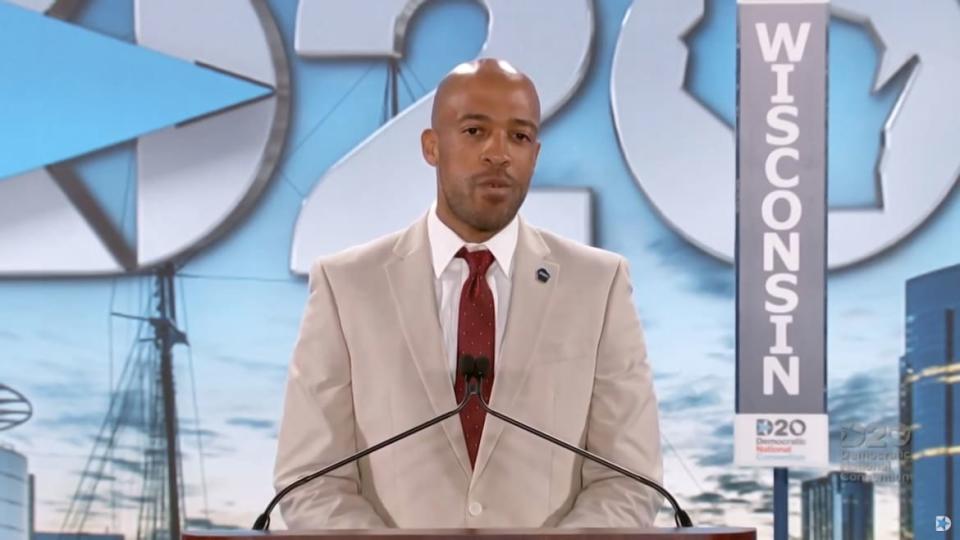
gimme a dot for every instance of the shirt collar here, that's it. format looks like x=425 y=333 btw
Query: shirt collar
x=445 y=243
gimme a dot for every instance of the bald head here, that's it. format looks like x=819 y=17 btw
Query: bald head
x=484 y=143
x=482 y=73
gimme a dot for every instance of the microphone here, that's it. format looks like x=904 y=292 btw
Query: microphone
x=467 y=368
x=481 y=366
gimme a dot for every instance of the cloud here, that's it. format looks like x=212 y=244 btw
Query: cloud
x=9 y=336
x=61 y=391
x=89 y=497
x=137 y=499
x=95 y=475
x=127 y=465
x=722 y=454
x=257 y=366
x=713 y=503
x=854 y=338
x=217 y=452
x=765 y=508
x=856 y=313
x=659 y=376
x=63 y=371
x=724 y=430
x=741 y=485
x=192 y=489
x=89 y=513
x=708 y=497
x=47 y=336
x=118 y=500
x=856 y=398
x=726 y=352
x=693 y=400
x=127 y=414
x=719 y=447
x=205 y=433
x=261 y=424
x=91 y=421
x=726 y=357
x=73 y=420
x=27 y=442
x=865 y=404
x=716 y=284
x=705 y=274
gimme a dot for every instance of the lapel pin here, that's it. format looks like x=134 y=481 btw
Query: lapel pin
x=542 y=275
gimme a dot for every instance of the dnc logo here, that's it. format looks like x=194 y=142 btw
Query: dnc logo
x=209 y=124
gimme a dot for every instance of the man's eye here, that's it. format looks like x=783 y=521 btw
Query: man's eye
x=472 y=131
x=522 y=137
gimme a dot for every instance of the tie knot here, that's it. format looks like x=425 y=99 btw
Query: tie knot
x=478 y=261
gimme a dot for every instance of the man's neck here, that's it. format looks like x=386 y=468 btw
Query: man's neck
x=464 y=231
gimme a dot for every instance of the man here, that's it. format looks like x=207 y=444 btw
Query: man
x=385 y=324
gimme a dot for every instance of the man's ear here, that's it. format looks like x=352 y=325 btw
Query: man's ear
x=428 y=145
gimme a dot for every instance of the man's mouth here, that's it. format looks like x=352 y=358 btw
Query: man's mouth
x=494 y=183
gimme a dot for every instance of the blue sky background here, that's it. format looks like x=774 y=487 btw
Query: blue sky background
x=59 y=346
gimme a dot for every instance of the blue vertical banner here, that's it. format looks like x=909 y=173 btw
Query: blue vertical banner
x=781 y=418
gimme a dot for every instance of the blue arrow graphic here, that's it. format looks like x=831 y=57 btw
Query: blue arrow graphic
x=66 y=91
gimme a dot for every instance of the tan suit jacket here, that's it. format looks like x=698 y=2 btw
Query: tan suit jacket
x=370 y=363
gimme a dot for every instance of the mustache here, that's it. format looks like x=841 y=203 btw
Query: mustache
x=496 y=177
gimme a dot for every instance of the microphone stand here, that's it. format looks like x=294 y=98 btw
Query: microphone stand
x=681 y=518
x=473 y=388
x=473 y=369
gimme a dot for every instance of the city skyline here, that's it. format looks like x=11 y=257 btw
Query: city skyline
x=929 y=370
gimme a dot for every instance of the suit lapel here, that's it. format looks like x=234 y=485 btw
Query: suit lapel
x=414 y=297
x=529 y=299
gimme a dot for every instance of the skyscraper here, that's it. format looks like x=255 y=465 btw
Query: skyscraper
x=906 y=458
x=838 y=506
x=929 y=371
x=14 y=496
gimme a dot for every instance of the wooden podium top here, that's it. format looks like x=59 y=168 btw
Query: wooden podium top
x=700 y=533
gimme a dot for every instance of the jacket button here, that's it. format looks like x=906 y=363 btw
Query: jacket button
x=475 y=509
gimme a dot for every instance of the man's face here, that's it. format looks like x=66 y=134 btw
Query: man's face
x=484 y=144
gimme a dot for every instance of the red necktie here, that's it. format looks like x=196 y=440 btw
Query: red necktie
x=475 y=336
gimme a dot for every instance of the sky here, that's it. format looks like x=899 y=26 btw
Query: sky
x=240 y=305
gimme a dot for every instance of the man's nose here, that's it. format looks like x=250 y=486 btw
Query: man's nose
x=495 y=151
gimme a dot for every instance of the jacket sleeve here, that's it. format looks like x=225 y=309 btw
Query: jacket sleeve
x=622 y=425
x=318 y=426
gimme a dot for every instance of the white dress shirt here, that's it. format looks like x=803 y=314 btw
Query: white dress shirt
x=451 y=272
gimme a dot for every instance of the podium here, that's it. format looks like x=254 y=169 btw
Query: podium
x=698 y=533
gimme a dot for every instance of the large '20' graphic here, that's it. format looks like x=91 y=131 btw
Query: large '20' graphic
x=383 y=184
x=695 y=193
x=195 y=181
